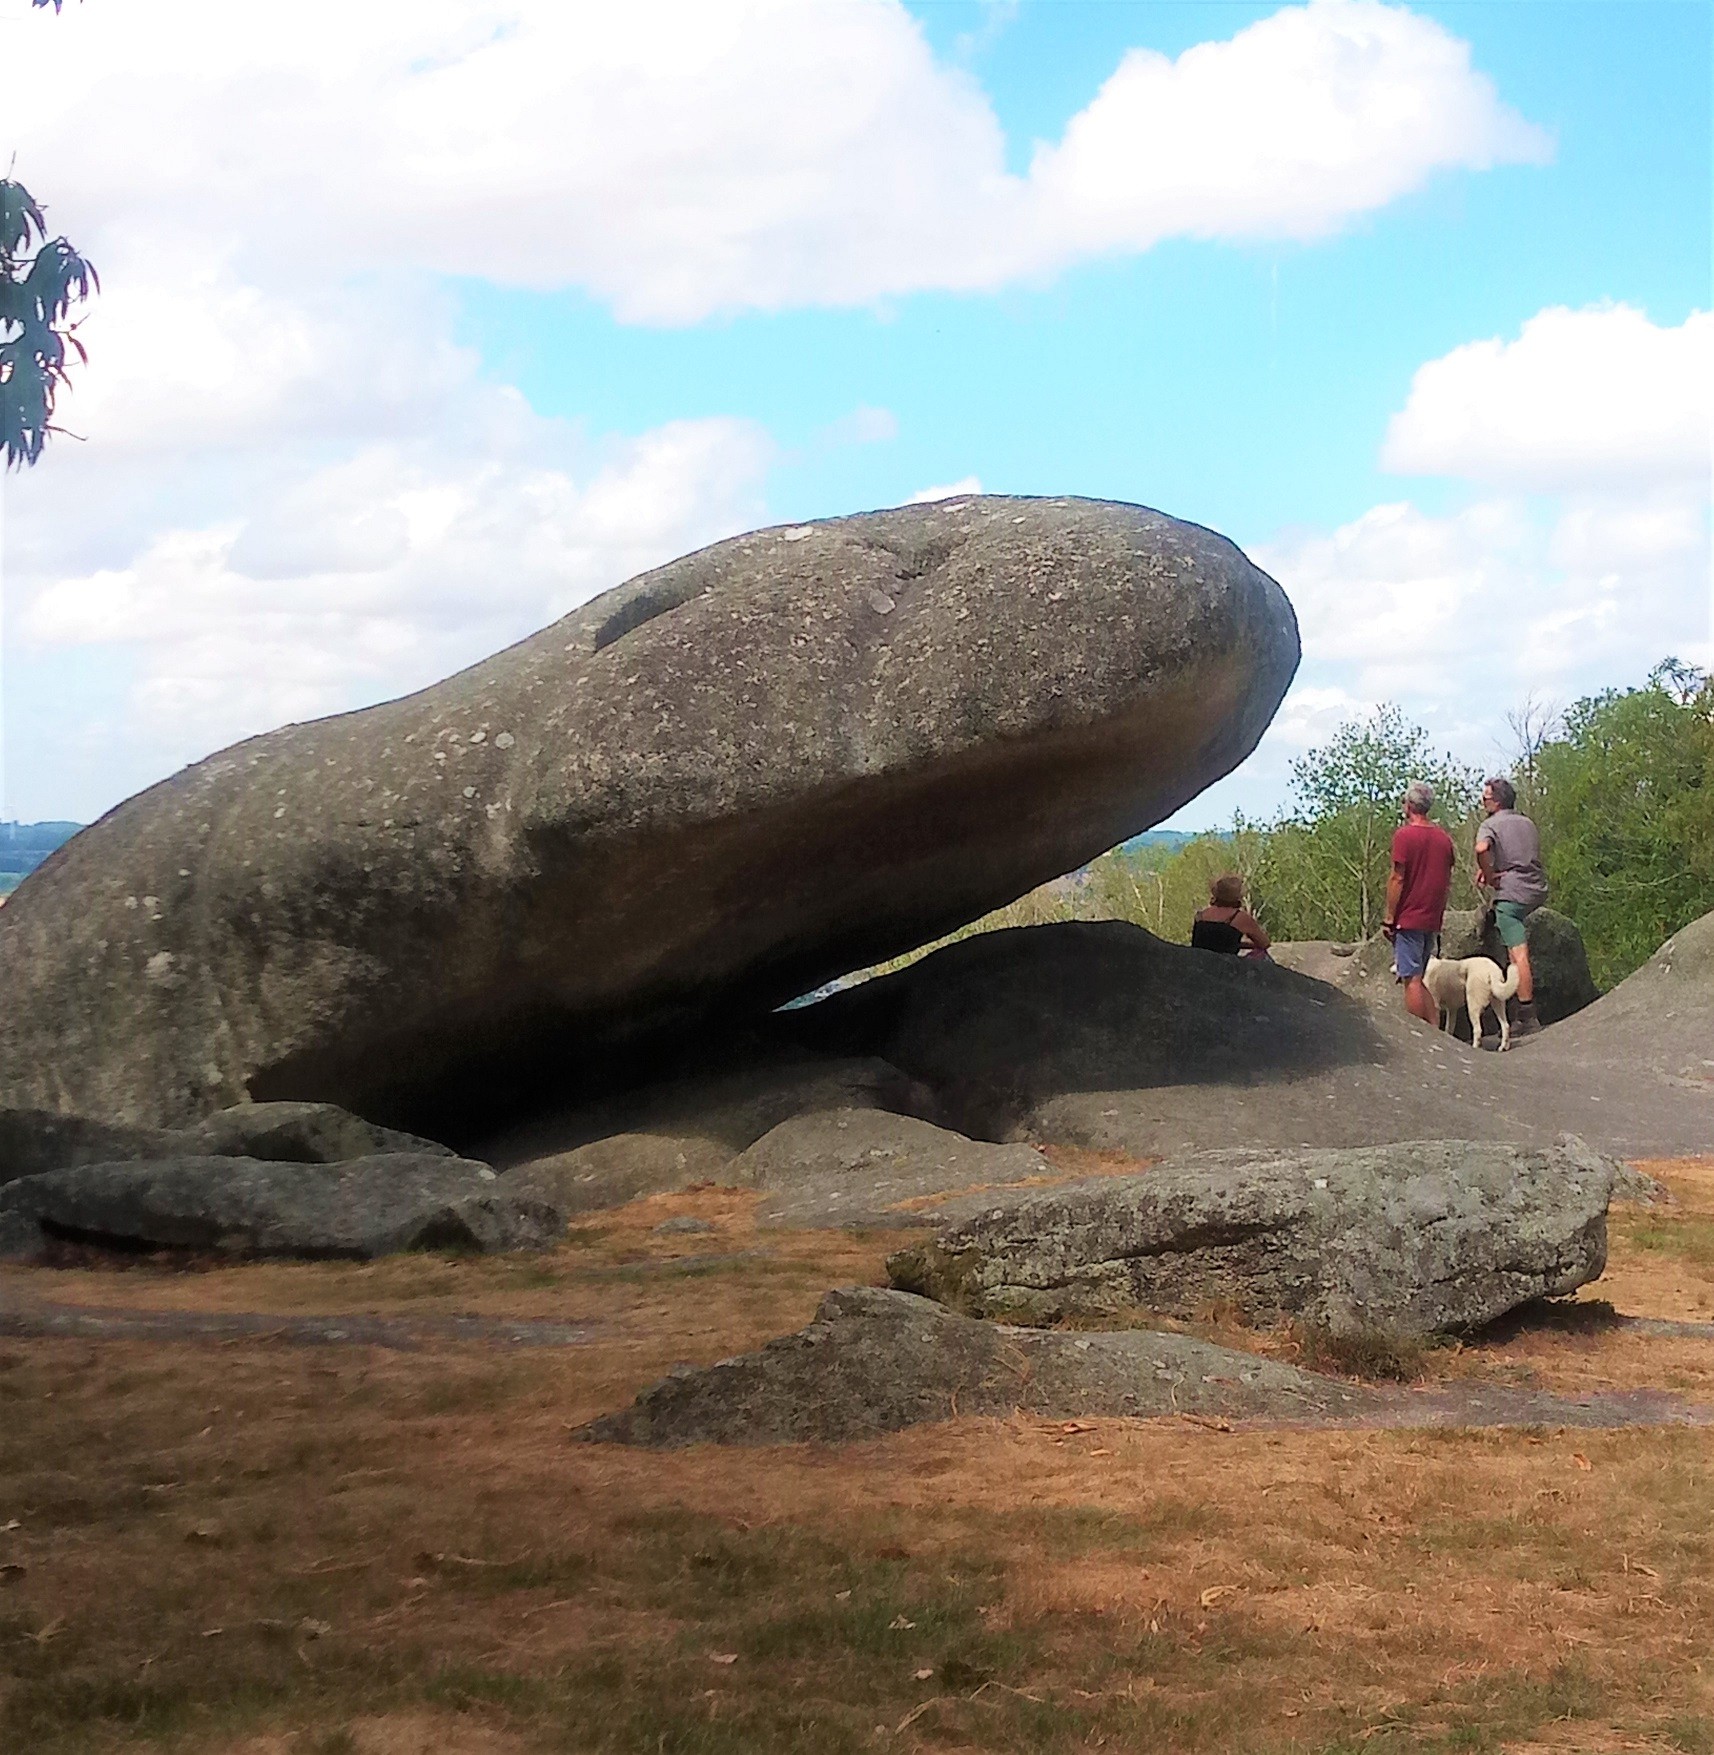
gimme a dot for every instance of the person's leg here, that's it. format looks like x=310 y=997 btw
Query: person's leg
x=1520 y=955
x=1510 y=918
x=1419 y=1002
x=1410 y=963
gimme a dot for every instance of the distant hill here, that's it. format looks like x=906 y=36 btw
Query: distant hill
x=1155 y=838
x=23 y=846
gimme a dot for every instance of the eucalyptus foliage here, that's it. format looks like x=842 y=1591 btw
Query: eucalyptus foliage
x=41 y=280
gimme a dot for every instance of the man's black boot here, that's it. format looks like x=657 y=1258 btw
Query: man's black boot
x=1526 y=1023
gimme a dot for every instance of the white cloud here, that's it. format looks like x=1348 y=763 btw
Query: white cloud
x=295 y=587
x=862 y=426
x=952 y=490
x=1292 y=128
x=297 y=492
x=639 y=151
x=1596 y=398
x=1582 y=558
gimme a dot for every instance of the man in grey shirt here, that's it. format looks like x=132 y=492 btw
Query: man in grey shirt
x=1508 y=863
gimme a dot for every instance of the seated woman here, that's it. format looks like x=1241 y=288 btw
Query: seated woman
x=1224 y=925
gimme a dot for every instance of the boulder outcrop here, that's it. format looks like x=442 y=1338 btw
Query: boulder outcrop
x=377 y=1205
x=875 y=1361
x=622 y=1167
x=1416 y=1239
x=1099 y=1034
x=718 y=786
x=1559 y=960
x=864 y=1167
x=33 y=1141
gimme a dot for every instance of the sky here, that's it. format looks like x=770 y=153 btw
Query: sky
x=423 y=321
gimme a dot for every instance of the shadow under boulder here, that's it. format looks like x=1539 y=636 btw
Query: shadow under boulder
x=1099 y=1034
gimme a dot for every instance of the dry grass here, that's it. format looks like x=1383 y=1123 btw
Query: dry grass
x=259 y=1548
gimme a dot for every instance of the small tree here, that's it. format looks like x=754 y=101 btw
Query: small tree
x=1326 y=861
x=41 y=279
x=1627 y=815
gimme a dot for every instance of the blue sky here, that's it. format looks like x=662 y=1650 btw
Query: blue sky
x=559 y=374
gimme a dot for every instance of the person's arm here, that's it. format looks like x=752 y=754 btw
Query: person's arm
x=1251 y=928
x=1395 y=894
x=1484 y=863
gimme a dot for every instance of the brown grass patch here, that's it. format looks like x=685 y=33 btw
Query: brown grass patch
x=252 y=1547
x=1083 y=1162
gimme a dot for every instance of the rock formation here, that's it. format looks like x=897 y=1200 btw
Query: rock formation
x=1414 y=1239
x=737 y=776
x=1559 y=960
x=32 y=1141
x=875 y=1361
x=1099 y=1034
x=863 y=1167
x=243 y=1206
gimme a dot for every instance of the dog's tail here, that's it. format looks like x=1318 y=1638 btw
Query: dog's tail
x=1509 y=986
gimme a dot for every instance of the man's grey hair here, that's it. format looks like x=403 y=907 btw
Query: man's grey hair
x=1419 y=795
x=1505 y=793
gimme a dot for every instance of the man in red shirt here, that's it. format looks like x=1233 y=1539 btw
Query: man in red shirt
x=1416 y=897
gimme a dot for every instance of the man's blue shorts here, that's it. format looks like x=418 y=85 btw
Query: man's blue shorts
x=1411 y=951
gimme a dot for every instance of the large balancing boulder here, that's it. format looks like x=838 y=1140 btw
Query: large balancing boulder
x=715 y=787
x=1416 y=1239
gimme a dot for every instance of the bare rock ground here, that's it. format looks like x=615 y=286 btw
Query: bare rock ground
x=1101 y=1035
x=864 y=1167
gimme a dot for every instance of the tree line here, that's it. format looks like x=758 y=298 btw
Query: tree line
x=1621 y=785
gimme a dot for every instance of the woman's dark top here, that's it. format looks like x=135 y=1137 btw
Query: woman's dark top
x=1216 y=935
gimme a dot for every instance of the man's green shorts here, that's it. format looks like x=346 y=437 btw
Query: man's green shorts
x=1509 y=917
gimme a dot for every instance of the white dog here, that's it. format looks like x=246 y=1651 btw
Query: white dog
x=1478 y=982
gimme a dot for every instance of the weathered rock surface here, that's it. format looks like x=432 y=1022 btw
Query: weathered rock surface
x=718 y=786
x=609 y=1172
x=1099 y=1034
x=33 y=1141
x=728 y=1101
x=1645 y=1051
x=374 y=1206
x=864 y=1167
x=875 y=1361
x=1559 y=960
x=1417 y=1239
x=300 y=1133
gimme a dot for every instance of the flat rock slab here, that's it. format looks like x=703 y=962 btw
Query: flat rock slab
x=300 y=1133
x=710 y=790
x=1423 y=1238
x=243 y=1206
x=876 y=1361
x=866 y=1168
x=34 y=1141
x=609 y=1172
